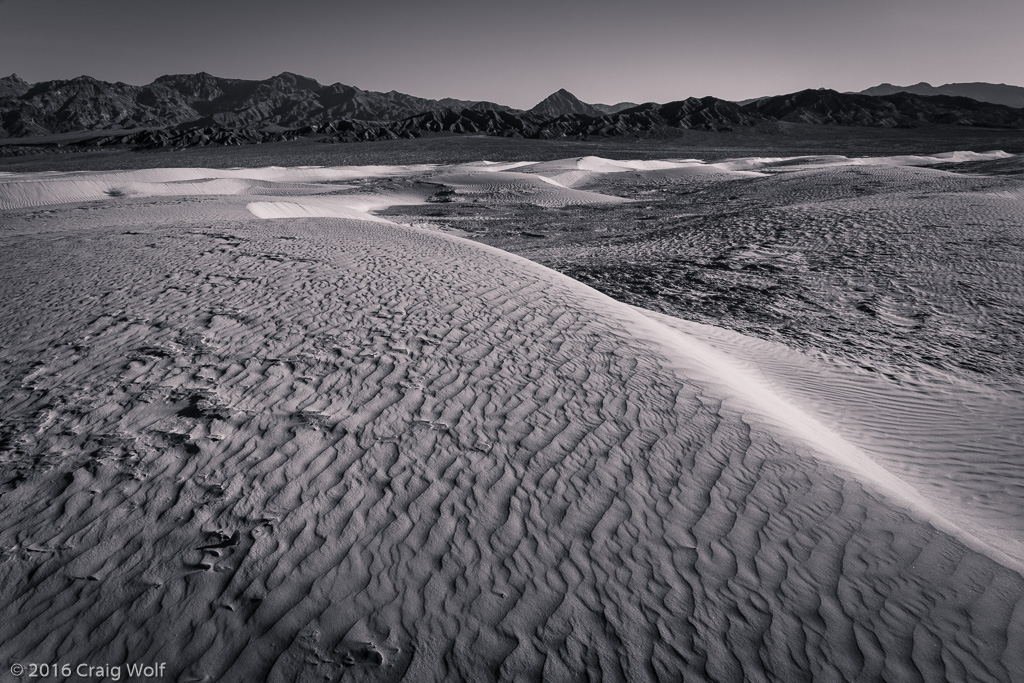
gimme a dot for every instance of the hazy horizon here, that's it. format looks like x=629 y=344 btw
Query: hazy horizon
x=661 y=51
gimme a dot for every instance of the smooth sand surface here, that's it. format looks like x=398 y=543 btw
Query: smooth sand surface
x=259 y=442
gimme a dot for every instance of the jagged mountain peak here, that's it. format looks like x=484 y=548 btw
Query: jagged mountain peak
x=13 y=86
x=13 y=82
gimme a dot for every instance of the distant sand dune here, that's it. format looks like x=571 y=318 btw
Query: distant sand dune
x=306 y=447
x=42 y=189
x=517 y=187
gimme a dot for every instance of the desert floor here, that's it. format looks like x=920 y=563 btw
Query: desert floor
x=621 y=416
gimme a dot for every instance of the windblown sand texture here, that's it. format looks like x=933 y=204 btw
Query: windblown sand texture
x=254 y=431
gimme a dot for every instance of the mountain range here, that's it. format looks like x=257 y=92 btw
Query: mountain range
x=996 y=93
x=187 y=110
x=285 y=100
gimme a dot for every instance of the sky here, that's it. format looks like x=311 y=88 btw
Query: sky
x=518 y=52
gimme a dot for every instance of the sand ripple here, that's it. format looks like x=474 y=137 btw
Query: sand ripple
x=296 y=449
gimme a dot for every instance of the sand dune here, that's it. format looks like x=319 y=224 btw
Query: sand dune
x=576 y=172
x=838 y=160
x=311 y=447
x=41 y=189
x=493 y=166
x=356 y=206
x=516 y=187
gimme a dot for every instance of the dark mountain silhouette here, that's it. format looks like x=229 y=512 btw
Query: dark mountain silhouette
x=898 y=110
x=563 y=102
x=188 y=110
x=614 y=108
x=996 y=93
x=485 y=106
x=285 y=100
x=707 y=113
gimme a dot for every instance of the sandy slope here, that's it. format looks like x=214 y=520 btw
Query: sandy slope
x=952 y=446
x=308 y=448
